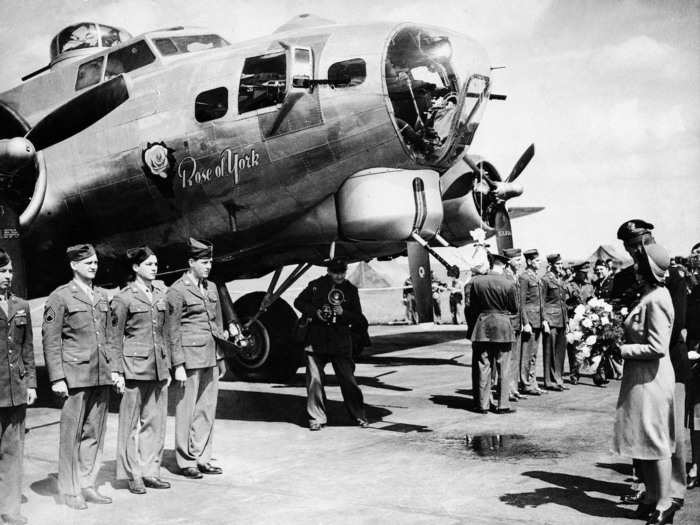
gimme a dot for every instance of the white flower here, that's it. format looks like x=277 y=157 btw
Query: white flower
x=607 y=307
x=584 y=351
x=593 y=302
x=590 y=340
x=570 y=338
x=604 y=320
x=624 y=311
x=479 y=235
x=578 y=335
x=587 y=323
x=595 y=317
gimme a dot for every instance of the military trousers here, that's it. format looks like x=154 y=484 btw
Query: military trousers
x=11 y=457
x=493 y=356
x=553 y=356
x=680 y=456
x=195 y=412
x=83 y=421
x=344 y=369
x=528 y=359
x=514 y=361
x=143 y=413
x=574 y=364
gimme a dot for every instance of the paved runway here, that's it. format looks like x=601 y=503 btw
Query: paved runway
x=427 y=458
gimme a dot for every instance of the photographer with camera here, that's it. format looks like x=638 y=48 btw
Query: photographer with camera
x=333 y=305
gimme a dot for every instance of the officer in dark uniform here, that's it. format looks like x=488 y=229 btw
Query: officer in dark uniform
x=512 y=271
x=530 y=305
x=333 y=305
x=604 y=282
x=143 y=358
x=580 y=291
x=554 y=324
x=493 y=302
x=193 y=325
x=17 y=390
x=634 y=234
x=76 y=351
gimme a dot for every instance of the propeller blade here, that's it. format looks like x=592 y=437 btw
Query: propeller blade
x=419 y=266
x=522 y=163
x=79 y=113
x=504 y=233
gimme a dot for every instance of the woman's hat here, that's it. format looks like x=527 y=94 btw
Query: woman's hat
x=659 y=260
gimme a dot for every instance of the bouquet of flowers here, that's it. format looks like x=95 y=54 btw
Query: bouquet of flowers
x=596 y=331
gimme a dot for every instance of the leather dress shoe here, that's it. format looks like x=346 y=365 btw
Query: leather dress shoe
x=16 y=519
x=313 y=426
x=208 y=468
x=136 y=486
x=363 y=423
x=512 y=399
x=555 y=388
x=75 y=502
x=505 y=410
x=191 y=472
x=564 y=387
x=532 y=392
x=662 y=517
x=482 y=411
x=155 y=483
x=92 y=496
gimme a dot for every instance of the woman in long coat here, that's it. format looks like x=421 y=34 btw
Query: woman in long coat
x=644 y=421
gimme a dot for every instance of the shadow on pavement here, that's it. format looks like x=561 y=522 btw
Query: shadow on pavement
x=382 y=344
x=300 y=381
x=621 y=468
x=410 y=361
x=461 y=403
x=571 y=492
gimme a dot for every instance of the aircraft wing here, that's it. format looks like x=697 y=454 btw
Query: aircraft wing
x=522 y=212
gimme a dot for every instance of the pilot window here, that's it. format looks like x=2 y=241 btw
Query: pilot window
x=210 y=105
x=348 y=73
x=176 y=45
x=89 y=73
x=128 y=58
x=263 y=82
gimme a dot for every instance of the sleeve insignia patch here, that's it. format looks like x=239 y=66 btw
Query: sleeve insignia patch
x=49 y=315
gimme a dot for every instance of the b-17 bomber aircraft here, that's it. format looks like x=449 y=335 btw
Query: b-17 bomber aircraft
x=317 y=139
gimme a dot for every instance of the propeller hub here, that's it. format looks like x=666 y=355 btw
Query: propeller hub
x=15 y=154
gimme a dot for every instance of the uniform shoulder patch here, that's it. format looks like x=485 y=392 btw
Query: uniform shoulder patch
x=49 y=315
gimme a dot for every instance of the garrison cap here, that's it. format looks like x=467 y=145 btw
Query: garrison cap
x=529 y=254
x=138 y=255
x=582 y=267
x=553 y=258
x=199 y=249
x=79 y=252
x=512 y=252
x=633 y=228
x=337 y=265
x=4 y=258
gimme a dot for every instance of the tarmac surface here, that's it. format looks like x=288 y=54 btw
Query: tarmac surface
x=427 y=458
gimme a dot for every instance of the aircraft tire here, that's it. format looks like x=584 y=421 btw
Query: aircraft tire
x=273 y=355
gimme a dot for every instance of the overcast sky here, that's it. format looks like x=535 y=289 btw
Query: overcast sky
x=607 y=91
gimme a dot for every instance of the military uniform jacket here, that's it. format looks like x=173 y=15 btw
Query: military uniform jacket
x=530 y=298
x=515 y=319
x=493 y=301
x=193 y=323
x=74 y=334
x=136 y=338
x=328 y=337
x=17 y=371
x=554 y=295
x=603 y=288
x=577 y=294
x=626 y=291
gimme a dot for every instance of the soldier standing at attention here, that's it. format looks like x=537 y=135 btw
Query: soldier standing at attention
x=512 y=270
x=143 y=359
x=580 y=291
x=531 y=308
x=17 y=390
x=194 y=323
x=333 y=305
x=74 y=333
x=493 y=301
x=554 y=324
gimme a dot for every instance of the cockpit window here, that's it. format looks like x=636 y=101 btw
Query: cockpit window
x=263 y=82
x=78 y=37
x=176 y=45
x=111 y=36
x=89 y=73
x=348 y=73
x=128 y=58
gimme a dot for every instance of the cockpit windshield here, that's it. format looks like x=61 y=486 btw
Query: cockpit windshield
x=436 y=100
x=176 y=45
x=86 y=35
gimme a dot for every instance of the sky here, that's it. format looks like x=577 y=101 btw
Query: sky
x=607 y=90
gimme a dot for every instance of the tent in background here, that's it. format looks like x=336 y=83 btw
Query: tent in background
x=607 y=251
x=365 y=276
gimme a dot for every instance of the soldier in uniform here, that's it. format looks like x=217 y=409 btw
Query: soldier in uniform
x=512 y=271
x=76 y=351
x=530 y=306
x=604 y=282
x=493 y=301
x=580 y=291
x=333 y=305
x=193 y=325
x=634 y=234
x=17 y=390
x=554 y=324
x=143 y=359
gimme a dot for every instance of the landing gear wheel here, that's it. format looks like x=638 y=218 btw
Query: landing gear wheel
x=272 y=354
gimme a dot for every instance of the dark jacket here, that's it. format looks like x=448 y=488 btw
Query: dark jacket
x=74 y=334
x=678 y=286
x=626 y=291
x=554 y=296
x=515 y=319
x=333 y=338
x=17 y=371
x=530 y=299
x=493 y=300
x=603 y=288
x=136 y=338
x=193 y=324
